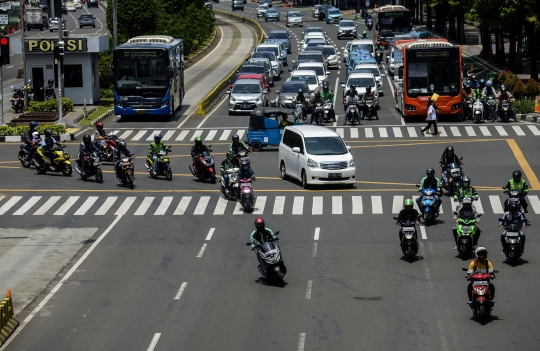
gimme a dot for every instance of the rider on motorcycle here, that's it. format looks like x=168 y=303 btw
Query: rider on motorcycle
x=364 y=35
x=466 y=190
x=47 y=145
x=479 y=94
x=489 y=90
x=481 y=265
x=285 y=121
x=197 y=150
x=85 y=147
x=226 y=164
x=516 y=183
x=121 y=150
x=379 y=45
x=513 y=216
x=245 y=171
x=28 y=138
x=99 y=130
x=261 y=234
x=447 y=158
x=407 y=214
x=474 y=81
x=236 y=144
x=370 y=94
x=327 y=95
x=156 y=146
x=468 y=93
x=504 y=95
x=352 y=100
x=316 y=99
x=432 y=182
x=469 y=212
x=300 y=97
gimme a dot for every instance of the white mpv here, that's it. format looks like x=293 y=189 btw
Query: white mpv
x=315 y=155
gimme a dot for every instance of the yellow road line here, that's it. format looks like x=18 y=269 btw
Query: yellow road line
x=531 y=176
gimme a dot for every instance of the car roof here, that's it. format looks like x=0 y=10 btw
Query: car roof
x=279 y=31
x=302 y=53
x=303 y=72
x=309 y=131
x=361 y=75
x=313 y=63
x=251 y=81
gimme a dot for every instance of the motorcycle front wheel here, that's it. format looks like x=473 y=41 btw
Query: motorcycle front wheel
x=168 y=172
x=482 y=313
x=67 y=170
x=279 y=278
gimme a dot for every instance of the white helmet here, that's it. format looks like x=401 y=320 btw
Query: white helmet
x=480 y=249
x=35 y=135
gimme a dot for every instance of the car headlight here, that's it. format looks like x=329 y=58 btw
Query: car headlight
x=233 y=99
x=351 y=163
x=312 y=163
x=340 y=30
x=258 y=99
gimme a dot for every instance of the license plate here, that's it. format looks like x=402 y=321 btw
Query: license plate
x=142 y=112
x=428 y=197
x=334 y=175
x=512 y=234
x=480 y=282
x=245 y=106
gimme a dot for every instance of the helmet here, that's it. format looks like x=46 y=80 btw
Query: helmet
x=48 y=133
x=259 y=223
x=473 y=78
x=86 y=138
x=479 y=250
x=121 y=144
x=50 y=82
x=482 y=82
x=364 y=33
x=35 y=135
x=449 y=149
x=430 y=171
x=157 y=138
x=467 y=201
x=229 y=155
x=488 y=83
x=466 y=181
x=368 y=89
x=317 y=94
x=503 y=88
x=516 y=175
x=325 y=85
x=300 y=91
x=198 y=140
x=408 y=203
x=99 y=125
x=235 y=137
x=513 y=205
x=33 y=124
x=353 y=87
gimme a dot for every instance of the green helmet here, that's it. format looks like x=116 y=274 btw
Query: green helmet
x=364 y=33
x=229 y=155
x=198 y=140
x=407 y=202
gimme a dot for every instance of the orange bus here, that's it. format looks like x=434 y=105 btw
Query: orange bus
x=390 y=20
x=429 y=66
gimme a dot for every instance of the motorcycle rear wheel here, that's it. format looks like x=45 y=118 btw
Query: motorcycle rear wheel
x=67 y=170
x=213 y=178
x=99 y=176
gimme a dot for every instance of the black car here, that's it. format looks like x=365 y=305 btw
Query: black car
x=64 y=9
x=44 y=6
x=322 y=11
x=92 y=3
x=257 y=69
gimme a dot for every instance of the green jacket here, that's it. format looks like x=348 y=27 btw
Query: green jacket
x=466 y=192
x=327 y=95
x=477 y=94
x=426 y=183
x=240 y=143
x=226 y=164
x=521 y=186
x=155 y=148
x=256 y=236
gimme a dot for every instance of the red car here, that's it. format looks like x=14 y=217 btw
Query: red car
x=254 y=76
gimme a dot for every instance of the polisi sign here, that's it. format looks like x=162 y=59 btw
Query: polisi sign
x=47 y=45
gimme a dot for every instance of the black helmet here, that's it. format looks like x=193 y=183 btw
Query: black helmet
x=157 y=138
x=466 y=181
x=121 y=144
x=516 y=175
x=503 y=88
x=235 y=137
x=86 y=138
x=50 y=82
x=449 y=148
x=48 y=133
x=473 y=78
x=317 y=94
x=325 y=85
x=352 y=91
x=430 y=171
x=513 y=205
x=368 y=89
x=33 y=124
x=244 y=165
x=352 y=87
x=300 y=91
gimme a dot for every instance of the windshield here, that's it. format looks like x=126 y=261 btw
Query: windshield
x=278 y=35
x=334 y=12
x=273 y=49
x=318 y=69
x=436 y=76
x=325 y=146
x=292 y=88
x=270 y=11
x=392 y=24
x=313 y=30
x=252 y=69
x=263 y=7
x=305 y=78
x=403 y=37
x=265 y=54
x=295 y=14
x=243 y=88
x=330 y=50
x=346 y=24
x=363 y=47
x=398 y=56
x=316 y=58
x=361 y=82
x=142 y=74
x=319 y=40
x=373 y=70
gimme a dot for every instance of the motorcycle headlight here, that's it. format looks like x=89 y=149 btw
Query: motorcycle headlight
x=312 y=163
x=351 y=163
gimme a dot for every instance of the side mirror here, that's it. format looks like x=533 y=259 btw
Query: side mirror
x=394 y=218
x=455 y=213
x=289 y=70
x=348 y=148
x=383 y=75
x=479 y=215
x=499 y=219
x=464 y=269
x=416 y=185
x=248 y=244
x=229 y=82
x=296 y=150
x=265 y=91
x=276 y=233
x=277 y=92
x=342 y=85
x=228 y=91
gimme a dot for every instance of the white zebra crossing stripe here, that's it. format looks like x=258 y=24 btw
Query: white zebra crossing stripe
x=535 y=203
x=115 y=132
x=104 y=209
x=354 y=133
x=369 y=132
x=518 y=130
x=397 y=132
x=9 y=204
x=139 y=135
x=198 y=133
x=241 y=133
x=66 y=206
x=376 y=205
x=201 y=205
x=47 y=205
x=534 y=130
x=168 y=135
x=496 y=204
x=122 y=210
x=455 y=131
x=2 y=197
x=145 y=204
x=412 y=132
x=442 y=131
x=357 y=207
x=163 y=206
x=317 y=207
x=341 y=132
x=28 y=205
x=337 y=206
x=259 y=205
x=221 y=206
x=383 y=133
x=478 y=205
x=397 y=204
x=211 y=135
x=182 y=206
x=415 y=204
x=86 y=206
x=298 y=205
x=151 y=136
x=238 y=209
x=279 y=205
x=470 y=131
x=182 y=135
x=225 y=135
x=126 y=134
x=501 y=131
x=485 y=131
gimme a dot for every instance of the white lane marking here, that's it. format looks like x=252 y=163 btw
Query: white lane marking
x=485 y=131
x=221 y=205
x=383 y=133
x=198 y=133
x=501 y=131
x=317 y=206
x=28 y=205
x=535 y=203
x=11 y=202
x=335 y=91
x=86 y=206
x=163 y=206
x=168 y=135
x=187 y=118
x=301 y=341
x=423 y=232
x=106 y=206
x=182 y=135
x=238 y=209
x=298 y=205
x=412 y=132
x=337 y=206
x=279 y=204
x=470 y=131
x=201 y=251
x=145 y=204
x=180 y=291
x=478 y=205
x=341 y=132
x=259 y=205
x=442 y=131
x=61 y=282
x=210 y=233
x=317 y=233
x=314 y=252
x=415 y=205
x=354 y=133
x=455 y=131
x=357 y=207
x=182 y=206
x=518 y=130
x=241 y=133
x=122 y=210
x=205 y=118
x=201 y=205
x=534 y=130
x=397 y=205
x=397 y=132
x=211 y=135
x=126 y=134
x=376 y=205
x=139 y=135
x=154 y=342
x=308 y=289
x=496 y=204
x=369 y=132
x=66 y=206
x=151 y=136
x=225 y=134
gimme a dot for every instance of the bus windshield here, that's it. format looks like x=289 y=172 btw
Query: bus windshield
x=142 y=72
x=391 y=23
x=433 y=76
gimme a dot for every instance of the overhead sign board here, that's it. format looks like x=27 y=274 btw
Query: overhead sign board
x=47 y=45
x=4 y=19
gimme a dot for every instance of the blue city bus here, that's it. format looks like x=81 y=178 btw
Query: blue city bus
x=148 y=74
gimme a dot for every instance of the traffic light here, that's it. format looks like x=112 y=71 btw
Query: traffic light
x=4 y=50
x=57 y=8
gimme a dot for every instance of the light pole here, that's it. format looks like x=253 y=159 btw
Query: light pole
x=23 y=57
x=115 y=30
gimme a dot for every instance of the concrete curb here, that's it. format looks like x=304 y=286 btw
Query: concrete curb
x=103 y=117
x=20 y=138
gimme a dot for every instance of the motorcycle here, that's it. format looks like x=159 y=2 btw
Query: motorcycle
x=491 y=102
x=478 y=111
x=164 y=167
x=467 y=107
x=353 y=117
x=127 y=172
x=482 y=305
x=299 y=116
x=244 y=193
x=466 y=229
x=427 y=205
x=504 y=111
x=271 y=264
x=514 y=194
x=379 y=55
x=512 y=242
x=233 y=178
x=454 y=174
x=24 y=155
x=61 y=161
x=370 y=108
x=409 y=244
x=17 y=100
x=319 y=112
x=93 y=168
x=241 y=155
x=205 y=170
x=327 y=116
x=369 y=24
x=49 y=92
x=107 y=147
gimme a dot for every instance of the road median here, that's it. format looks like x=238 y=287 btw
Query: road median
x=8 y=322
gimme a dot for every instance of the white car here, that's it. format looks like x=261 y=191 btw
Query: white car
x=53 y=24
x=364 y=44
x=313 y=36
x=77 y=4
x=332 y=56
x=294 y=18
x=246 y=95
x=261 y=10
x=395 y=59
x=361 y=81
x=372 y=68
x=71 y=7
x=319 y=68
x=309 y=76
x=315 y=155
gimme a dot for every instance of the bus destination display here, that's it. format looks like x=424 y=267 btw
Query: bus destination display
x=432 y=54
x=140 y=54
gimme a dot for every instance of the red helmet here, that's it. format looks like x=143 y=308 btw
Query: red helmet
x=99 y=125
x=259 y=223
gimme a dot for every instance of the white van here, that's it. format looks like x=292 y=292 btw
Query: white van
x=315 y=155
x=364 y=44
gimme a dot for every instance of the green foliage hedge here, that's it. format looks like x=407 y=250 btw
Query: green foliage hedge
x=523 y=106
x=50 y=105
x=106 y=93
x=20 y=130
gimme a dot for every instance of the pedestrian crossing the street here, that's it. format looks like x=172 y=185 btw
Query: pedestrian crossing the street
x=347 y=133
x=207 y=205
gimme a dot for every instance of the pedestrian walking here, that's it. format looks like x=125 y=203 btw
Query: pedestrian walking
x=431 y=116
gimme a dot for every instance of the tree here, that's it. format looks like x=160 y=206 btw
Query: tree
x=135 y=17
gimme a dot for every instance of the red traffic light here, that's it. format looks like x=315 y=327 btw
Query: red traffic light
x=4 y=41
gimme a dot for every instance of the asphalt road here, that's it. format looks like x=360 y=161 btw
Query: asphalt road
x=168 y=265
